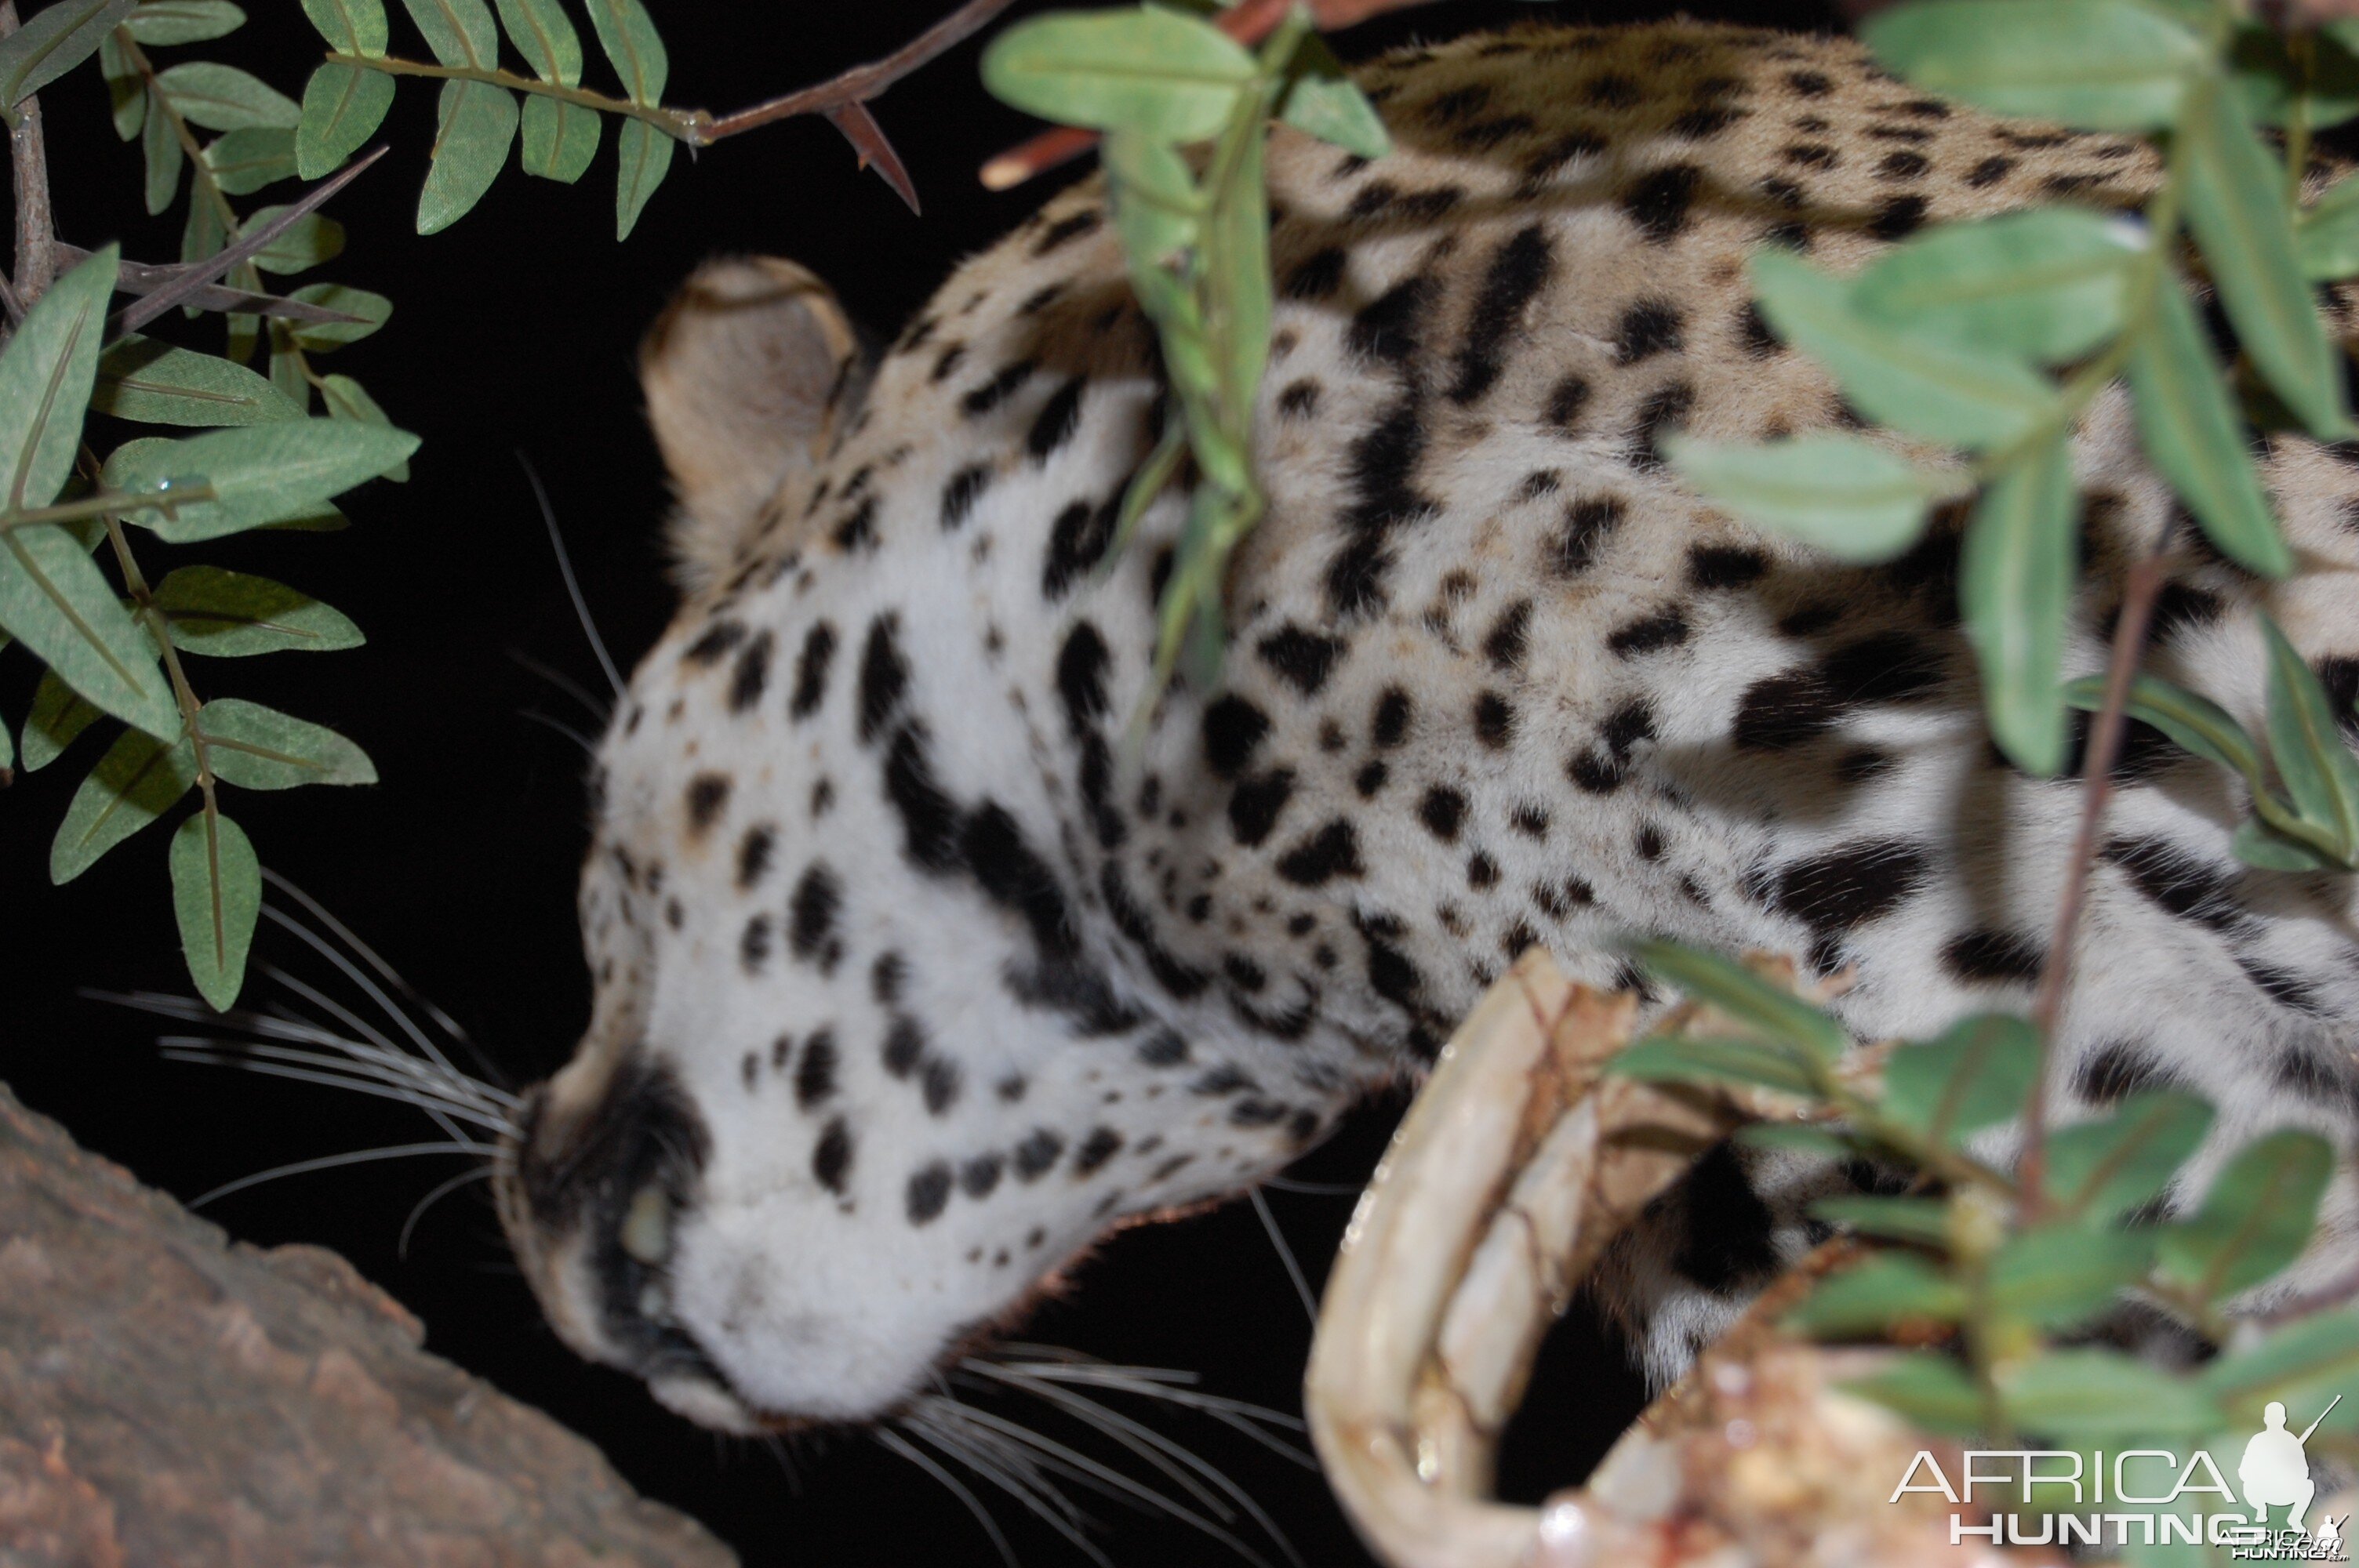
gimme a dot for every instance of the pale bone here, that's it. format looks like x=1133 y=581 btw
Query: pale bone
x=1515 y=1166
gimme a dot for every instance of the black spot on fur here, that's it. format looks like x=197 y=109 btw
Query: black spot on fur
x=1255 y=803
x=1586 y=525
x=1517 y=272
x=2176 y=879
x=883 y=676
x=1129 y=917
x=815 y=1073
x=1315 y=276
x=1664 y=408
x=818 y=900
x=1302 y=659
x=1390 y=725
x=1385 y=329
x=1658 y=201
x=1993 y=957
x=1103 y=1145
x=2113 y=1072
x=2281 y=986
x=1037 y=1154
x=929 y=1192
x=1443 y=811
x=1233 y=728
x=1503 y=644
x=754 y=944
x=1666 y=628
x=1850 y=885
x=1495 y=720
x=747 y=681
x=1081 y=667
x=754 y=853
x=960 y=494
x=1898 y=217
x=831 y=1159
x=928 y=817
x=1064 y=231
x=991 y=394
x=1566 y=400
x=707 y=794
x=940 y=1084
x=1333 y=851
x=1783 y=711
x=1299 y=400
x=1057 y=419
x=1648 y=328
x=1725 y=565
x=811 y=671
x=1077 y=542
x=904 y=1047
x=1988 y=172
x=717 y=639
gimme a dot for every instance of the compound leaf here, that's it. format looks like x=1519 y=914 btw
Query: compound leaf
x=478 y=123
x=1850 y=497
x=227 y=614
x=216 y=899
x=2016 y=578
x=136 y=781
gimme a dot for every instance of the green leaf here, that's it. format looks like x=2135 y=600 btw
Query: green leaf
x=2302 y=1366
x=1169 y=77
x=478 y=123
x=642 y=156
x=1976 y=1074
x=627 y=34
x=1929 y=1390
x=2100 y=1170
x=1883 y=1291
x=126 y=90
x=348 y=400
x=2236 y=208
x=460 y=32
x=2255 y=1220
x=2016 y=577
x=216 y=898
x=560 y=139
x=2267 y=80
x=263 y=473
x=2196 y=723
x=2094 y=1395
x=136 y=781
x=55 y=601
x=2326 y=234
x=544 y=38
x=1941 y=391
x=1848 y=496
x=2195 y=436
x=1744 y=997
x=224 y=98
x=307 y=243
x=2107 y=65
x=1925 y=1221
x=320 y=337
x=2261 y=847
x=342 y=107
x=2307 y=746
x=162 y=156
x=1158 y=210
x=2057 y=1275
x=60 y=715
x=227 y=614
x=184 y=21
x=255 y=747
x=139 y=378
x=2047 y=284
x=1321 y=101
x=1810 y=1138
x=245 y=161
x=1689 y=1059
x=201 y=236
x=351 y=27
x=45 y=380
x=53 y=42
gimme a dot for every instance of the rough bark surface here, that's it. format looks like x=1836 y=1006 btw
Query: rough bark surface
x=171 y=1397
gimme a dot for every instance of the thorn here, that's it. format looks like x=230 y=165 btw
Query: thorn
x=874 y=148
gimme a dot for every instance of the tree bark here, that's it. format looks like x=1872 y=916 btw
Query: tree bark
x=170 y=1396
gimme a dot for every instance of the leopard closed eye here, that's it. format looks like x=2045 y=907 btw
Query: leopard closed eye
x=911 y=985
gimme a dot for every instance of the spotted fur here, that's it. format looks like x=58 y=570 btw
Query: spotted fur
x=912 y=983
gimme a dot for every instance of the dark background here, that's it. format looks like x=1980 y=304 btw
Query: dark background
x=515 y=331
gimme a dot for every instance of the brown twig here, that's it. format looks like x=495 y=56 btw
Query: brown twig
x=28 y=165
x=196 y=275
x=1249 y=22
x=2138 y=594
x=862 y=82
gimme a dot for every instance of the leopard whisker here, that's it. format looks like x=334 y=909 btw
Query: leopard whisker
x=334 y=1162
x=565 y=569
x=1285 y=1254
x=368 y=987
x=442 y=1190
x=1009 y=1468
x=386 y=972
x=1166 y=1384
x=564 y=683
x=316 y=1067
x=588 y=747
x=894 y=1443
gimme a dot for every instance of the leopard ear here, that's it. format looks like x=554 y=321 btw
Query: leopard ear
x=748 y=373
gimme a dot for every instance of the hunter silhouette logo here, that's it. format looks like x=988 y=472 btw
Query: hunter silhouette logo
x=2145 y=1497
x=2276 y=1469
